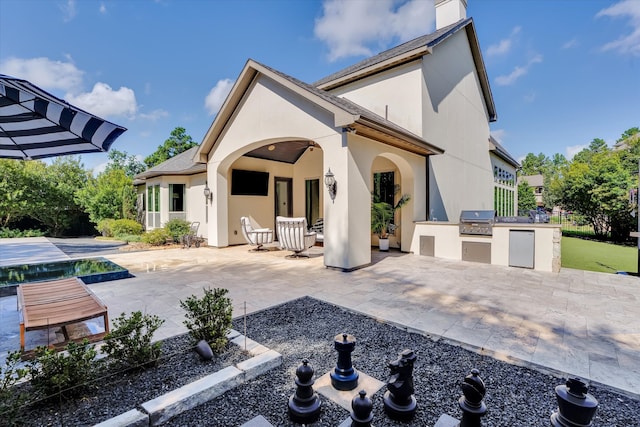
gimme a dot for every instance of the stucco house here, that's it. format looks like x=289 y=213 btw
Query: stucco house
x=416 y=116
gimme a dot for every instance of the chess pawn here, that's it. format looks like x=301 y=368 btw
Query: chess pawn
x=304 y=404
x=362 y=407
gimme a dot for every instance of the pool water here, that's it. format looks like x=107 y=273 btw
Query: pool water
x=89 y=270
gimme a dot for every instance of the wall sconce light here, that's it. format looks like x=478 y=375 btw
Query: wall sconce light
x=208 y=196
x=330 y=182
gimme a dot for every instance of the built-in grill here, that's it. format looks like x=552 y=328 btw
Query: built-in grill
x=477 y=223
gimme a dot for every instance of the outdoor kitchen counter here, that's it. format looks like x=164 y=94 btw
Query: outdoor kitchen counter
x=443 y=240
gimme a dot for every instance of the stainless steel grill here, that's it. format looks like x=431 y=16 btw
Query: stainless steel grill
x=477 y=223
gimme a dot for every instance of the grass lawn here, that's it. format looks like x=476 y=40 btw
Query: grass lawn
x=598 y=256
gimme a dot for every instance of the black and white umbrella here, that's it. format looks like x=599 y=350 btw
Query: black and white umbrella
x=35 y=124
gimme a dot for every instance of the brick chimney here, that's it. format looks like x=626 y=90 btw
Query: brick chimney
x=450 y=11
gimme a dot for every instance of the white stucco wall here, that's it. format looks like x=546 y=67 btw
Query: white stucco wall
x=393 y=94
x=456 y=119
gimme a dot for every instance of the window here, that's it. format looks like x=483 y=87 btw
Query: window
x=176 y=193
x=153 y=198
x=312 y=200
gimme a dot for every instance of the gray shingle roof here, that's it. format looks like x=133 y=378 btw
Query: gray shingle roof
x=428 y=40
x=182 y=164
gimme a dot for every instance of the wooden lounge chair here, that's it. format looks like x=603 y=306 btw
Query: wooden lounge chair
x=254 y=234
x=58 y=303
x=293 y=235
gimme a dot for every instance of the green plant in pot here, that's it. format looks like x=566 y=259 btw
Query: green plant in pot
x=382 y=216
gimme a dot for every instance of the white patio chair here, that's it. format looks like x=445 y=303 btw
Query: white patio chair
x=254 y=234
x=293 y=235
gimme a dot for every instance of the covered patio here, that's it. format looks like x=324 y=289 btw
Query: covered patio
x=292 y=134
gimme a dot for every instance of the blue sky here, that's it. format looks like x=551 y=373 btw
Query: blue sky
x=562 y=72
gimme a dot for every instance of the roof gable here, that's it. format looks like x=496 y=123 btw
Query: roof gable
x=412 y=50
x=346 y=113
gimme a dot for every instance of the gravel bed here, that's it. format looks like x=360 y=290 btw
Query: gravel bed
x=123 y=391
x=305 y=328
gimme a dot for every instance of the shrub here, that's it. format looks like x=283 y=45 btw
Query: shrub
x=129 y=343
x=105 y=227
x=126 y=226
x=54 y=373
x=130 y=238
x=6 y=233
x=177 y=228
x=156 y=237
x=209 y=317
x=11 y=399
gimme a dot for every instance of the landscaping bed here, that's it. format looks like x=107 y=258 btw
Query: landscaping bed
x=305 y=328
x=117 y=392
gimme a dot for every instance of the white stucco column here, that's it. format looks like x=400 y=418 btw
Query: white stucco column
x=347 y=219
x=218 y=209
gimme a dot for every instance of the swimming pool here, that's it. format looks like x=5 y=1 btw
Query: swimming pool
x=89 y=270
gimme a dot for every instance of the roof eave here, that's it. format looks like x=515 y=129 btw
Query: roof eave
x=394 y=137
x=375 y=68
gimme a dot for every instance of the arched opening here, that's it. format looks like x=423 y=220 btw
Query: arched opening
x=393 y=192
x=270 y=178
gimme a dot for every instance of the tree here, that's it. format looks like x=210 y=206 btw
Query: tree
x=51 y=192
x=535 y=165
x=526 y=198
x=103 y=196
x=598 y=145
x=179 y=142
x=599 y=189
x=13 y=203
x=631 y=132
x=128 y=163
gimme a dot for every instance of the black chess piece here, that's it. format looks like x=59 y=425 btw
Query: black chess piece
x=362 y=410
x=472 y=400
x=304 y=404
x=576 y=407
x=344 y=377
x=399 y=402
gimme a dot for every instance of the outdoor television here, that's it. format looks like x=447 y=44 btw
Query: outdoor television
x=249 y=183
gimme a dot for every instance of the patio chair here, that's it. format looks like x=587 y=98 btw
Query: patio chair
x=318 y=228
x=254 y=234
x=192 y=238
x=293 y=235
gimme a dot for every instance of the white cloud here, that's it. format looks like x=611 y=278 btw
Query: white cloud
x=518 y=72
x=629 y=43
x=103 y=8
x=571 y=43
x=45 y=73
x=155 y=115
x=348 y=27
x=217 y=95
x=575 y=149
x=65 y=76
x=104 y=101
x=68 y=10
x=504 y=45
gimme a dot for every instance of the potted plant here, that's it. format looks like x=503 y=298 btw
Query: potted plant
x=382 y=216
